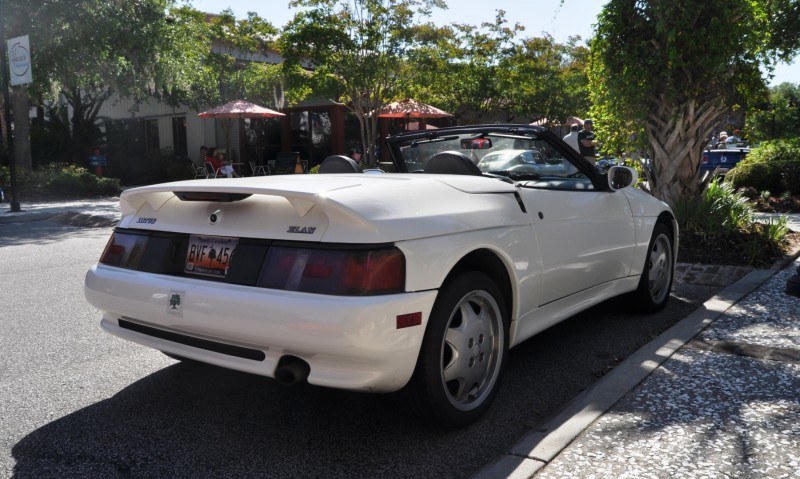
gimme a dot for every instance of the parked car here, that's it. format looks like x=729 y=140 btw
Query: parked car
x=520 y=161
x=722 y=159
x=417 y=283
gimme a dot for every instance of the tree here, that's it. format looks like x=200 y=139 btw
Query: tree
x=486 y=74
x=456 y=68
x=360 y=44
x=83 y=51
x=229 y=60
x=545 y=80
x=780 y=118
x=664 y=73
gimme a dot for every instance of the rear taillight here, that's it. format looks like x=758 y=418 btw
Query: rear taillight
x=331 y=271
x=124 y=250
x=705 y=160
x=326 y=269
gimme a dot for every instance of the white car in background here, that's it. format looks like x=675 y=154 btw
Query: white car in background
x=418 y=281
x=522 y=161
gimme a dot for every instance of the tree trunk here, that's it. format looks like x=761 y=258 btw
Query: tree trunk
x=21 y=105
x=676 y=134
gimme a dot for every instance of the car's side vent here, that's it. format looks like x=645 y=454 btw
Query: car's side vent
x=210 y=196
x=519 y=201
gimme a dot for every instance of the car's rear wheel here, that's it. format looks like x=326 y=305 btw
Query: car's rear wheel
x=656 y=281
x=463 y=352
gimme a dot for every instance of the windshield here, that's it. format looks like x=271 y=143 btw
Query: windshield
x=514 y=156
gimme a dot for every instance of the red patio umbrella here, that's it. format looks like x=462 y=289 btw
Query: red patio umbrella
x=238 y=109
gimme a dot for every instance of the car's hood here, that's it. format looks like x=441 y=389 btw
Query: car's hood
x=354 y=208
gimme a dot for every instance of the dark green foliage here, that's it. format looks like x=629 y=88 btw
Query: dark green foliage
x=791 y=177
x=775 y=150
x=777 y=118
x=58 y=180
x=773 y=166
x=761 y=176
x=718 y=227
x=72 y=181
x=719 y=210
x=180 y=171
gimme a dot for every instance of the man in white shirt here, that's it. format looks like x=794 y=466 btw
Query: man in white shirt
x=572 y=138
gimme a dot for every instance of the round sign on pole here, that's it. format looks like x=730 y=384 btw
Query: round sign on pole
x=19 y=60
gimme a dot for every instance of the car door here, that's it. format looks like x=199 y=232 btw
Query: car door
x=585 y=237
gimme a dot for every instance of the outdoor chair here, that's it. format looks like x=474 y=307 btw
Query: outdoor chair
x=257 y=169
x=211 y=172
x=200 y=172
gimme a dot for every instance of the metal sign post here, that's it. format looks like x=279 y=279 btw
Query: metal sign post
x=15 y=208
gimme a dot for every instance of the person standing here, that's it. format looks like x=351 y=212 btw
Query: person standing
x=586 y=142
x=572 y=138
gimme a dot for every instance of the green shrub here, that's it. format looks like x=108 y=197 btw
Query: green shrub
x=773 y=165
x=774 y=151
x=721 y=215
x=718 y=211
x=761 y=176
x=790 y=171
x=73 y=181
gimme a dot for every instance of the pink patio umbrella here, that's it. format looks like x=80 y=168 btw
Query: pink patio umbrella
x=240 y=109
x=411 y=109
x=235 y=110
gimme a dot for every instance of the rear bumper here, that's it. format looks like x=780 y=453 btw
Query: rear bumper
x=348 y=342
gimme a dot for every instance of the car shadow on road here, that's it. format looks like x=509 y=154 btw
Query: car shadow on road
x=195 y=420
x=45 y=232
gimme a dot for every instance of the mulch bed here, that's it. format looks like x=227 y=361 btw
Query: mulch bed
x=696 y=248
x=775 y=204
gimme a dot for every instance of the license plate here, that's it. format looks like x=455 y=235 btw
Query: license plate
x=209 y=255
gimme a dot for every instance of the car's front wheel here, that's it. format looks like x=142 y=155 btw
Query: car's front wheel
x=463 y=352
x=656 y=281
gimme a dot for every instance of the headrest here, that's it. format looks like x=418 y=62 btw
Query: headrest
x=451 y=163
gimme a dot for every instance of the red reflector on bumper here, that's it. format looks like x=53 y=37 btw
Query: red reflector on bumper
x=408 y=320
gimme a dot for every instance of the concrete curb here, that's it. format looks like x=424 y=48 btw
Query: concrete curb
x=541 y=445
x=25 y=218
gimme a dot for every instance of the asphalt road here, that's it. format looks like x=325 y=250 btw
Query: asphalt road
x=77 y=402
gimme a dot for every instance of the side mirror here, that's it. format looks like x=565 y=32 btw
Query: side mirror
x=620 y=177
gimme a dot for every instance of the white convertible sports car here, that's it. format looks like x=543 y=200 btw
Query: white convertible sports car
x=417 y=281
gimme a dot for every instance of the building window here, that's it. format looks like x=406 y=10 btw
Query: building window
x=179 y=137
x=153 y=146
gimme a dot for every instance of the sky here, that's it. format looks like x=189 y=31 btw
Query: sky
x=574 y=17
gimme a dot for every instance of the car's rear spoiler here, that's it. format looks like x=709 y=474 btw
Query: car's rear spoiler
x=301 y=196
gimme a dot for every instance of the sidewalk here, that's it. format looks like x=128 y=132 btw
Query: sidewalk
x=94 y=211
x=721 y=403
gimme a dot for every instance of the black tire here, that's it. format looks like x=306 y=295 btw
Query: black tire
x=463 y=353
x=659 y=267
